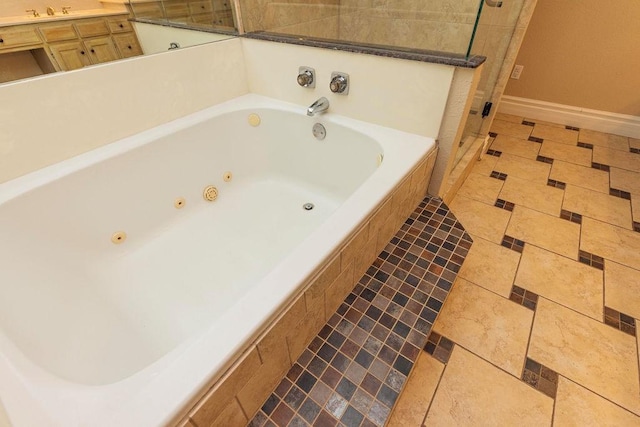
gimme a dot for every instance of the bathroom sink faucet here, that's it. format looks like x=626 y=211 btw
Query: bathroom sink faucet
x=51 y=11
x=320 y=106
x=33 y=12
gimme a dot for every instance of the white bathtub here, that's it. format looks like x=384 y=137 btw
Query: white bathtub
x=94 y=333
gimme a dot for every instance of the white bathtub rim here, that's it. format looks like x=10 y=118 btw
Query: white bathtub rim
x=166 y=386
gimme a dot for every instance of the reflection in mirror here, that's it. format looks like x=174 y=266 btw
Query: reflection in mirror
x=50 y=39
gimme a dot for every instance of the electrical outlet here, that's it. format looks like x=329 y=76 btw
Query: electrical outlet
x=517 y=70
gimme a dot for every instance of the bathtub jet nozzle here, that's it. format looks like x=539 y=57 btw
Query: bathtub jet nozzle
x=320 y=106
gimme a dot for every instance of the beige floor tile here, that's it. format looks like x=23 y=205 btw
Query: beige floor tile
x=491 y=266
x=577 y=407
x=509 y=118
x=600 y=206
x=611 y=242
x=481 y=219
x=540 y=197
x=625 y=180
x=567 y=153
x=551 y=233
x=621 y=288
x=416 y=396
x=634 y=143
x=555 y=133
x=617 y=158
x=562 y=280
x=515 y=146
x=582 y=176
x=481 y=187
x=586 y=351
x=473 y=392
x=635 y=207
x=486 y=165
x=532 y=170
x=516 y=130
x=542 y=122
x=489 y=325
x=607 y=140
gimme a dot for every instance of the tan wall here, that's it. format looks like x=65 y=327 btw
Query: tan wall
x=582 y=53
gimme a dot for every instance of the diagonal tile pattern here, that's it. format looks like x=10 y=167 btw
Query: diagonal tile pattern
x=545 y=307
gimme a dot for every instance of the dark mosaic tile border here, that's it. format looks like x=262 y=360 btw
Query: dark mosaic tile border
x=494 y=153
x=524 y=297
x=585 y=145
x=572 y=128
x=499 y=175
x=621 y=321
x=571 y=216
x=512 y=243
x=557 y=184
x=636 y=226
x=634 y=150
x=591 y=260
x=540 y=377
x=536 y=139
x=600 y=167
x=527 y=123
x=503 y=204
x=493 y=134
x=544 y=159
x=439 y=347
x=620 y=193
x=354 y=369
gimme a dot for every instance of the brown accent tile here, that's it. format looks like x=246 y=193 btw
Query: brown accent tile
x=512 y=243
x=556 y=184
x=585 y=145
x=439 y=347
x=572 y=128
x=527 y=123
x=620 y=193
x=540 y=377
x=499 y=175
x=544 y=159
x=503 y=204
x=600 y=166
x=591 y=260
x=621 y=321
x=636 y=226
x=494 y=153
x=282 y=415
x=571 y=216
x=523 y=297
x=536 y=139
x=634 y=150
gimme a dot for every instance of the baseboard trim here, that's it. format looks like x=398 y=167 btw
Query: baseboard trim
x=584 y=118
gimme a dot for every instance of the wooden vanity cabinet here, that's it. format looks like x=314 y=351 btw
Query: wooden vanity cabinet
x=95 y=41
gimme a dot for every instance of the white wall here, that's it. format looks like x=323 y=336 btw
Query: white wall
x=405 y=95
x=51 y=118
x=157 y=38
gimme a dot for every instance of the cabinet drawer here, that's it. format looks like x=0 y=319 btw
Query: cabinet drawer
x=18 y=36
x=127 y=44
x=176 y=9
x=56 y=33
x=120 y=25
x=147 y=10
x=92 y=28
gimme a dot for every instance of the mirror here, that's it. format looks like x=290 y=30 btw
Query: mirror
x=43 y=36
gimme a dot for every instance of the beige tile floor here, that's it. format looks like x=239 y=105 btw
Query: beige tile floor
x=552 y=359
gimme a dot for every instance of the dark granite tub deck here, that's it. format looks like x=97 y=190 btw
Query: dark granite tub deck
x=354 y=370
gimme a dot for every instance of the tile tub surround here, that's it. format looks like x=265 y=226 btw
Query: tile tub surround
x=551 y=320
x=258 y=369
x=354 y=370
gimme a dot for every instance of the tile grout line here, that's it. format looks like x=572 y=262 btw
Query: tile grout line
x=435 y=391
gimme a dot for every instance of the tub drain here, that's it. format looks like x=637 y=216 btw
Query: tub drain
x=308 y=206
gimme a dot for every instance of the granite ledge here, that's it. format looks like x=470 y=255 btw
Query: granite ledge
x=432 y=56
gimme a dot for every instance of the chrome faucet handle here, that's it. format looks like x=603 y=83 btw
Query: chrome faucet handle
x=306 y=77
x=339 y=83
x=65 y=10
x=34 y=12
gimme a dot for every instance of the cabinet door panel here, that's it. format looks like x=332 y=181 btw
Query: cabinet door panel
x=127 y=44
x=70 y=56
x=101 y=50
x=120 y=25
x=18 y=36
